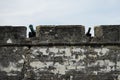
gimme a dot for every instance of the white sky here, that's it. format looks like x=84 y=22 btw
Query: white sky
x=58 y=12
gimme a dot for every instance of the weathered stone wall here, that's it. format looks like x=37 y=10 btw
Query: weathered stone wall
x=12 y=34
x=61 y=33
x=75 y=63
x=71 y=55
x=11 y=63
x=108 y=33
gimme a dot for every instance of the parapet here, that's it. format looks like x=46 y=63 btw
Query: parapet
x=12 y=34
x=60 y=33
x=65 y=53
x=107 y=33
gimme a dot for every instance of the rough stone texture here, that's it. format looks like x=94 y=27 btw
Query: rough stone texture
x=107 y=33
x=74 y=58
x=60 y=63
x=11 y=63
x=75 y=63
x=61 y=34
x=12 y=34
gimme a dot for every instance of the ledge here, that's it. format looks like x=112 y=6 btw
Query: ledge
x=60 y=44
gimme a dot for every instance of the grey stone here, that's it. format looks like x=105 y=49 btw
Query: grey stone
x=11 y=63
x=60 y=34
x=61 y=63
x=107 y=33
x=12 y=34
x=38 y=60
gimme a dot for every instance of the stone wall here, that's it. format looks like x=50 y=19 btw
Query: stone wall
x=108 y=33
x=60 y=53
x=75 y=62
x=61 y=34
x=12 y=34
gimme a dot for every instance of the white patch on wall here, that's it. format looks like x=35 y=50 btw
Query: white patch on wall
x=59 y=55
x=118 y=65
x=21 y=61
x=23 y=56
x=118 y=77
x=32 y=56
x=53 y=49
x=101 y=63
x=71 y=67
x=94 y=56
x=78 y=50
x=97 y=50
x=37 y=64
x=95 y=72
x=44 y=51
x=15 y=49
x=80 y=67
x=59 y=69
x=66 y=50
x=81 y=57
x=66 y=62
x=11 y=74
x=109 y=66
x=9 y=41
x=49 y=64
x=34 y=51
x=61 y=50
x=109 y=63
x=104 y=51
x=73 y=57
x=12 y=67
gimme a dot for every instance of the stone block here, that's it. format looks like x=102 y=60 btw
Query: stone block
x=60 y=34
x=107 y=33
x=12 y=34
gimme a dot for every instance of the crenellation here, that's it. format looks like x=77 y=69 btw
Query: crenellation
x=60 y=33
x=108 y=33
x=60 y=52
x=12 y=34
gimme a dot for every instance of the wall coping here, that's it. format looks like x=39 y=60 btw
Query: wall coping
x=62 y=44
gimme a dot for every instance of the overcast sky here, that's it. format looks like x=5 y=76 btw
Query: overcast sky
x=58 y=12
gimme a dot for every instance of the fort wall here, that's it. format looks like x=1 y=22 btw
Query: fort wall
x=61 y=52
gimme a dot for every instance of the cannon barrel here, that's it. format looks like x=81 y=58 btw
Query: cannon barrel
x=32 y=33
x=31 y=28
x=88 y=32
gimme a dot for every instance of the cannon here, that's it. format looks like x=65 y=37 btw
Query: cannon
x=88 y=34
x=32 y=32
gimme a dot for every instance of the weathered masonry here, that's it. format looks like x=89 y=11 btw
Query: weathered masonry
x=60 y=53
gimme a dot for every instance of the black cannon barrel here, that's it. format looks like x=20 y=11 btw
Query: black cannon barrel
x=32 y=33
x=88 y=32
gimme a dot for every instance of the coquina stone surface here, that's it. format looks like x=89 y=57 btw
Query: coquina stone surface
x=12 y=63
x=60 y=33
x=60 y=53
x=75 y=63
x=12 y=34
x=107 y=33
